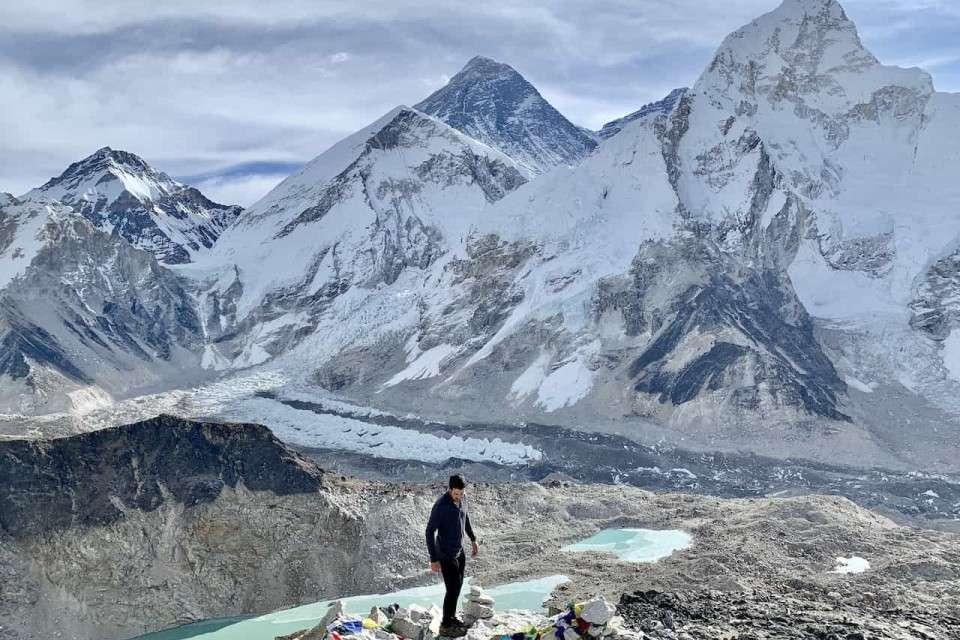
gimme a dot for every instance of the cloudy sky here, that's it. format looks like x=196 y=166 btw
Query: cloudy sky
x=235 y=94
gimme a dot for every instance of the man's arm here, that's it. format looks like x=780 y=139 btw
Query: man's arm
x=432 y=525
x=474 y=548
x=469 y=529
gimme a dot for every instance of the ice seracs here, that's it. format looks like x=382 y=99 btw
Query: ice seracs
x=120 y=193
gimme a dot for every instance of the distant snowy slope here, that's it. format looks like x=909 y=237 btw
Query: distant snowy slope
x=120 y=193
x=491 y=102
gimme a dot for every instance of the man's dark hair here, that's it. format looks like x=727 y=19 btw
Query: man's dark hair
x=457 y=482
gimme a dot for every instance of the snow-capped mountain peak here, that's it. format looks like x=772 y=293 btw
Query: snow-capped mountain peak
x=120 y=193
x=491 y=102
x=402 y=127
x=108 y=174
x=482 y=68
x=807 y=57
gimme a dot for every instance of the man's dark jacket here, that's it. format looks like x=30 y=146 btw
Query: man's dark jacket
x=445 y=529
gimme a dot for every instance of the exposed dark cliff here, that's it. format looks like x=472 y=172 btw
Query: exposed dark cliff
x=91 y=478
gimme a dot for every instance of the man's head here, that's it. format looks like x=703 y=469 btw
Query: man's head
x=456 y=486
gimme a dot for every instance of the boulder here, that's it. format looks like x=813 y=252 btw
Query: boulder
x=333 y=613
x=477 y=611
x=416 y=623
x=379 y=616
x=598 y=611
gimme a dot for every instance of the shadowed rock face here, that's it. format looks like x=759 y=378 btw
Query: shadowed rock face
x=94 y=478
x=22 y=341
x=774 y=350
x=936 y=307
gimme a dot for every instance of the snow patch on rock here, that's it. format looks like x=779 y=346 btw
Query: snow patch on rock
x=426 y=365
x=951 y=354
x=853 y=564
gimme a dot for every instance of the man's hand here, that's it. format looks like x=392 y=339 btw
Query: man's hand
x=435 y=567
x=476 y=548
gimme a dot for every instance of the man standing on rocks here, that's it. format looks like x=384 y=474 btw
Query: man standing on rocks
x=448 y=523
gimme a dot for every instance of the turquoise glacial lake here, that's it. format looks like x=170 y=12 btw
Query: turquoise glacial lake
x=635 y=545
x=629 y=545
x=528 y=594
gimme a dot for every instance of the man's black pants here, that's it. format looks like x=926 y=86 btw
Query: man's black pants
x=452 y=570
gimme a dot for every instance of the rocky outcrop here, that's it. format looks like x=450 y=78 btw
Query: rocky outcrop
x=936 y=307
x=649 y=111
x=95 y=478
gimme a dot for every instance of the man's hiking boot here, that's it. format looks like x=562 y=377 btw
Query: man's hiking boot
x=453 y=629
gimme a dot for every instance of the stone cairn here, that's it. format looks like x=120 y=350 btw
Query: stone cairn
x=595 y=619
x=477 y=605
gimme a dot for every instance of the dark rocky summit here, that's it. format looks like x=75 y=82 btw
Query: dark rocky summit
x=491 y=102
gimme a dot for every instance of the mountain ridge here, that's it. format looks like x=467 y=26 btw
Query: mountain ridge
x=650 y=110
x=212 y=520
x=83 y=313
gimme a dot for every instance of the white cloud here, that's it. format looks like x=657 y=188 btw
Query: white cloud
x=242 y=190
